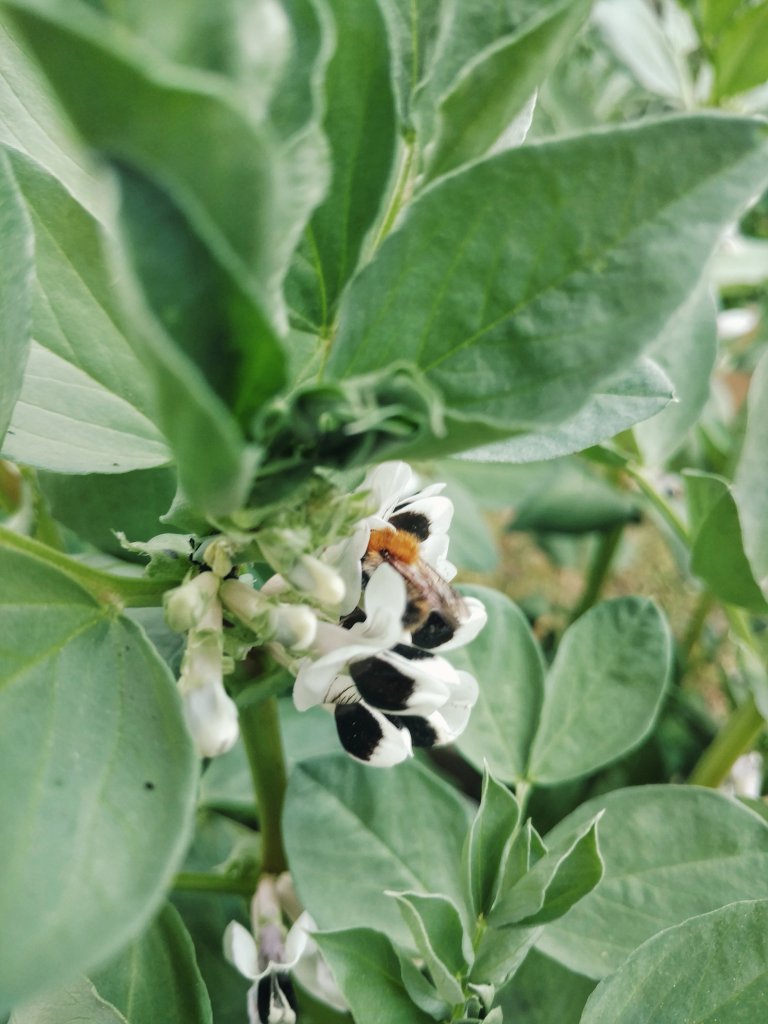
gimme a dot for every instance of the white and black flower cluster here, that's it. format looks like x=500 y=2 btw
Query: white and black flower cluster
x=380 y=668
x=363 y=623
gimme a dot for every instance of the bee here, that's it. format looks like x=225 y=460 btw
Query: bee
x=434 y=610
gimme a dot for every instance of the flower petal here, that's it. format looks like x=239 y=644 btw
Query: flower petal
x=240 y=949
x=472 y=621
x=369 y=736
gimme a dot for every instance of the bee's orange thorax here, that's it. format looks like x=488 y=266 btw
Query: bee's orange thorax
x=397 y=544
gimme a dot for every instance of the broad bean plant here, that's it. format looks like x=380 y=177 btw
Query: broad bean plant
x=305 y=304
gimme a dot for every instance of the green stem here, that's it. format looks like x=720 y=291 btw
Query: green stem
x=260 y=729
x=660 y=503
x=522 y=793
x=737 y=736
x=695 y=625
x=201 y=881
x=106 y=587
x=602 y=559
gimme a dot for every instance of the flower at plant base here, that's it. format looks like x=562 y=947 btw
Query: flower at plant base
x=269 y=958
x=397 y=503
x=387 y=695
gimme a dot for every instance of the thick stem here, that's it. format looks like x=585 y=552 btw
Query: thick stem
x=737 y=737
x=260 y=729
x=202 y=881
x=695 y=625
x=597 y=575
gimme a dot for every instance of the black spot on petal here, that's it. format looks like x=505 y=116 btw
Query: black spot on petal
x=422 y=733
x=358 y=615
x=411 y=653
x=382 y=685
x=434 y=632
x=359 y=732
x=412 y=522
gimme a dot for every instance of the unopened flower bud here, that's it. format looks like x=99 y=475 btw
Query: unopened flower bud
x=247 y=604
x=294 y=625
x=186 y=606
x=210 y=714
x=317 y=580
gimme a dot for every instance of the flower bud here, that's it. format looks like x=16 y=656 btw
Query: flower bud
x=317 y=580
x=294 y=625
x=210 y=714
x=186 y=606
x=247 y=604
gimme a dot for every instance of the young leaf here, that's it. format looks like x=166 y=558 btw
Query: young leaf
x=360 y=126
x=717 y=549
x=16 y=275
x=487 y=842
x=500 y=953
x=438 y=933
x=372 y=846
x=367 y=971
x=709 y=968
x=97 y=781
x=512 y=308
x=562 y=877
x=741 y=53
x=508 y=661
x=751 y=486
x=413 y=31
x=156 y=976
x=670 y=852
x=493 y=88
x=603 y=691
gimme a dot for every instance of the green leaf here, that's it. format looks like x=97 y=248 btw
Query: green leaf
x=634 y=395
x=156 y=977
x=500 y=953
x=97 y=781
x=95 y=505
x=79 y=1001
x=513 y=308
x=563 y=876
x=438 y=933
x=508 y=664
x=16 y=275
x=717 y=548
x=711 y=968
x=495 y=85
x=543 y=991
x=741 y=54
x=670 y=852
x=413 y=33
x=176 y=125
x=572 y=498
x=362 y=843
x=206 y=310
x=367 y=971
x=84 y=405
x=604 y=689
x=751 y=484
x=494 y=825
x=360 y=126
x=685 y=350
x=473 y=544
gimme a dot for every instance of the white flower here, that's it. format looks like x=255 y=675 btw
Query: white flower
x=292 y=625
x=397 y=502
x=317 y=580
x=269 y=962
x=210 y=714
x=187 y=605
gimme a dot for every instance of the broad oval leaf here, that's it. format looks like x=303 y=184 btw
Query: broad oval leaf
x=509 y=282
x=97 y=783
x=670 y=852
x=509 y=667
x=712 y=968
x=545 y=992
x=348 y=840
x=77 y=1001
x=603 y=691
